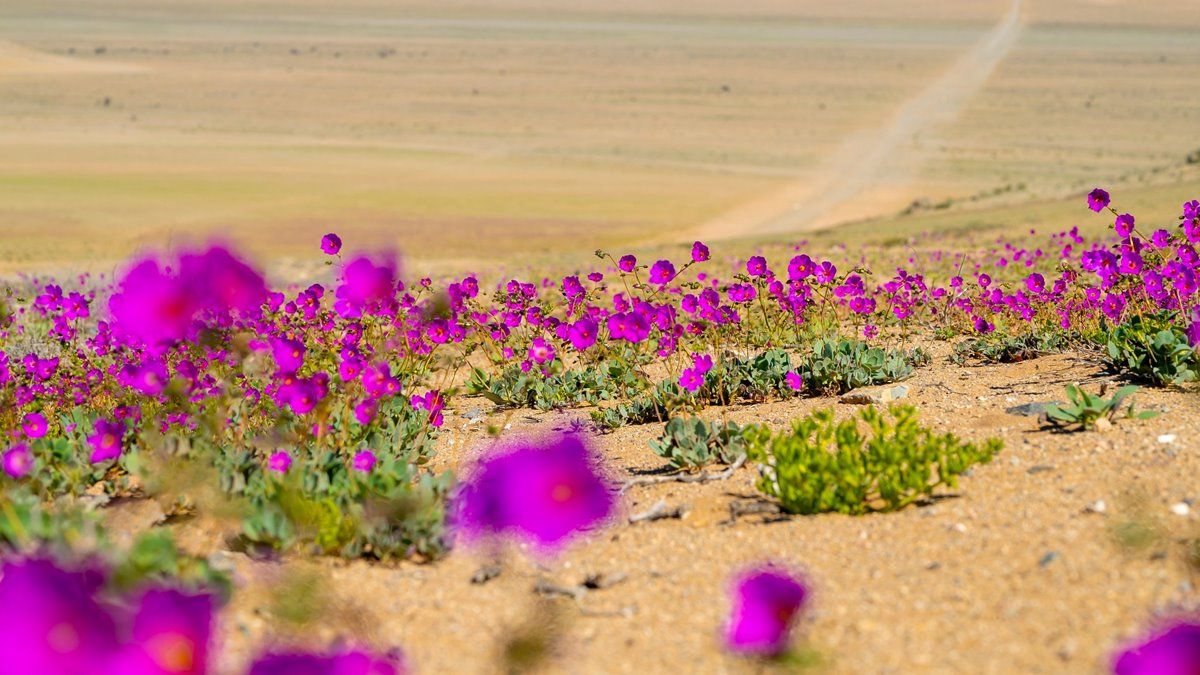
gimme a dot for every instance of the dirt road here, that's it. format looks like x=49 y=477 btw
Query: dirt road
x=873 y=157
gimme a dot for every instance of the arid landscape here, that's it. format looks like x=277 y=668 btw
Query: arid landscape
x=383 y=336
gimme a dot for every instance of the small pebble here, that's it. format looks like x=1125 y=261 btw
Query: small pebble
x=1181 y=509
x=1167 y=438
x=1097 y=506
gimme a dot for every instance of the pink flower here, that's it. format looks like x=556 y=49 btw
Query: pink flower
x=691 y=380
x=546 y=492
x=756 y=266
x=331 y=244
x=794 y=380
x=627 y=263
x=765 y=603
x=364 y=461
x=34 y=425
x=279 y=461
x=106 y=440
x=662 y=272
x=18 y=461
x=699 y=252
x=1175 y=651
x=341 y=663
x=541 y=351
x=1124 y=225
x=367 y=287
x=1097 y=200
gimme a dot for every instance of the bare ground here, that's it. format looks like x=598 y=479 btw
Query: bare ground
x=1008 y=573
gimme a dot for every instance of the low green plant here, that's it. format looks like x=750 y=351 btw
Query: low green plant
x=753 y=378
x=836 y=366
x=822 y=465
x=1005 y=348
x=1085 y=411
x=513 y=387
x=68 y=531
x=1153 y=348
x=693 y=443
x=657 y=406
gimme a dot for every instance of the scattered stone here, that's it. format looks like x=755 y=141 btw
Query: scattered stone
x=549 y=589
x=1050 y=557
x=876 y=395
x=660 y=511
x=601 y=581
x=1097 y=506
x=935 y=565
x=1181 y=509
x=1103 y=424
x=1167 y=438
x=1039 y=468
x=485 y=574
x=1035 y=409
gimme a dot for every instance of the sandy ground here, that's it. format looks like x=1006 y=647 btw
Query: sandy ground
x=471 y=128
x=1009 y=573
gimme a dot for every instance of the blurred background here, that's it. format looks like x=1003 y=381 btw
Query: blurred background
x=463 y=132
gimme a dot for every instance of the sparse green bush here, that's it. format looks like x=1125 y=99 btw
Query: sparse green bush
x=1004 y=348
x=513 y=387
x=821 y=465
x=836 y=366
x=1153 y=348
x=693 y=443
x=1085 y=410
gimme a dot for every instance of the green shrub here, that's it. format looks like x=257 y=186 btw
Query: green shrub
x=1002 y=348
x=1154 y=349
x=822 y=465
x=1085 y=410
x=752 y=378
x=693 y=443
x=837 y=366
x=515 y=388
x=657 y=406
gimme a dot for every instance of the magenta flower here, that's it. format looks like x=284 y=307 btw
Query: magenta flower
x=1124 y=225
x=583 y=334
x=433 y=402
x=279 y=461
x=699 y=252
x=1193 y=329
x=545 y=491
x=765 y=603
x=1175 y=651
x=343 y=663
x=756 y=266
x=1098 y=200
x=50 y=621
x=153 y=307
x=662 y=272
x=691 y=379
x=541 y=351
x=18 y=461
x=364 y=461
x=172 y=633
x=288 y=354
x=627 y=263
x=34 y=425
x=366 y=287
x=794 y=380
x=331 y=244
x=225 y=284
x=106 y=440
